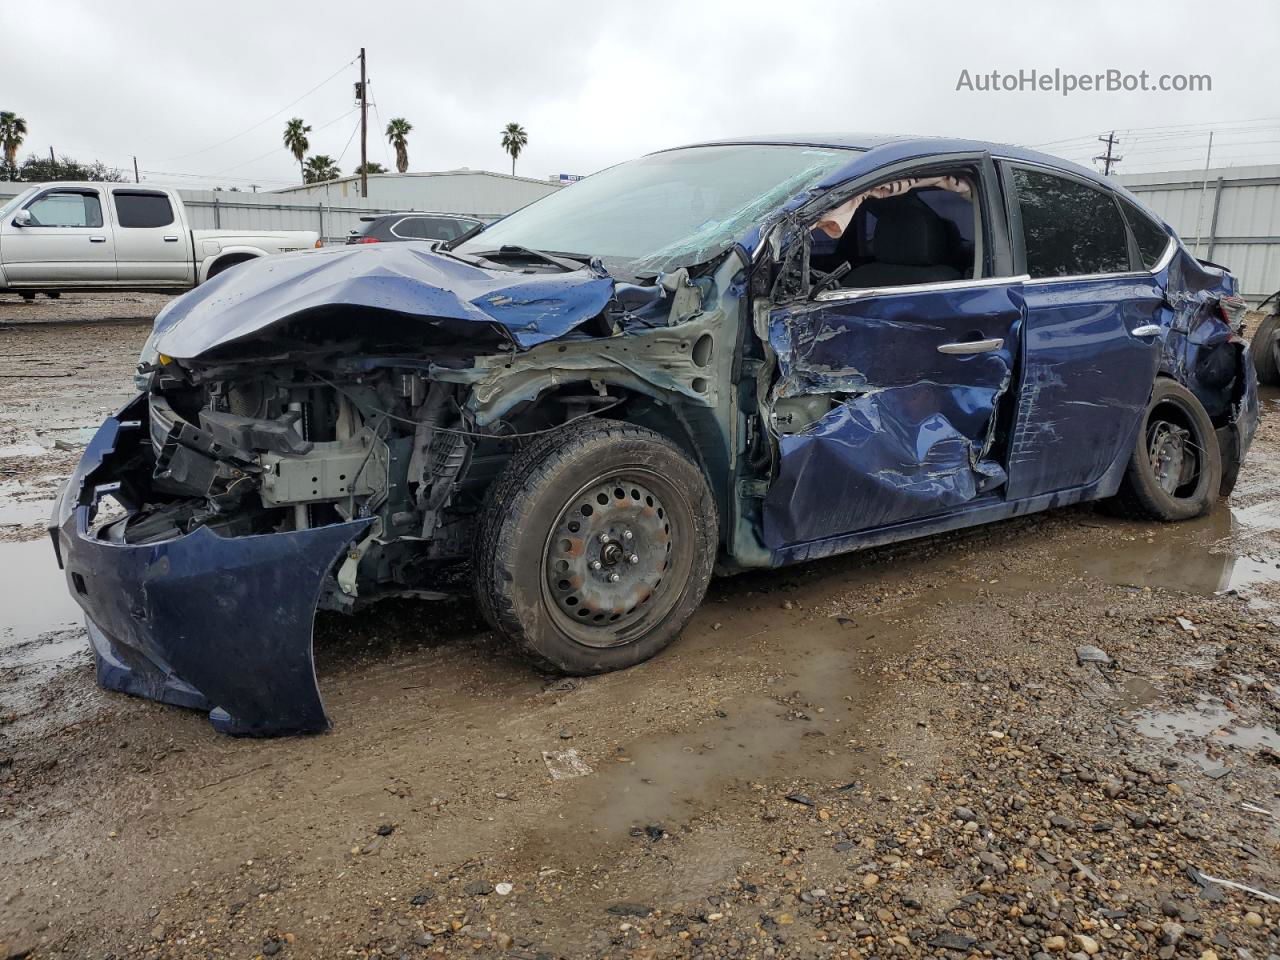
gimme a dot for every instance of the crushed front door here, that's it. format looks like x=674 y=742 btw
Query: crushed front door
x=913 y=384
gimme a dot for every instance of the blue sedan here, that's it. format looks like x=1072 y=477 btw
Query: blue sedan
x=737 y=354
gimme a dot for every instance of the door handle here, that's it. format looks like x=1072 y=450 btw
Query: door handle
x=97 y=239
x=170 y=239
x=1147 y=330
x=971 y=346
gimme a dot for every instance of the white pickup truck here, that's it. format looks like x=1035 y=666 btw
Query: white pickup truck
x=116 y=236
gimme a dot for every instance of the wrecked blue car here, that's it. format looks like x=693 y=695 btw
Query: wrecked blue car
x=732 y=355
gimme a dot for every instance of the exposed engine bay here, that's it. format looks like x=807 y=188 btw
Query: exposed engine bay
x=288 y=448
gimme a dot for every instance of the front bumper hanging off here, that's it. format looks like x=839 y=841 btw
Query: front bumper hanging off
x=214 y=623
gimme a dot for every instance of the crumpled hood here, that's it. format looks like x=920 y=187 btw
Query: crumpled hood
x=405 y=279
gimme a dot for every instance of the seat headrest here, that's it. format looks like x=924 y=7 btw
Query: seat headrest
x=908 y=233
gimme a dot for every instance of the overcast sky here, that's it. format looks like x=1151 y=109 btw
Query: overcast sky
x=180 y=85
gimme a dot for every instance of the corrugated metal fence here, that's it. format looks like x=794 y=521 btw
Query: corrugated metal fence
x=1230 y=215
x=232 y=210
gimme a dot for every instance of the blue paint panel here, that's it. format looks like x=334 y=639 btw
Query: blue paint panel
x=406 y=279
x=1086 y=379
x=202 y=621
x=912 y=434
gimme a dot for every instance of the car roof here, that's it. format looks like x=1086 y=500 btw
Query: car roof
x=374 y=217
x=79 y=184
x=880 y=146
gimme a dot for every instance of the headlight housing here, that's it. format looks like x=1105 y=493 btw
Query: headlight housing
x=150 y=354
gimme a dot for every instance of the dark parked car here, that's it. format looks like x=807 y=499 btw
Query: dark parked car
x=723 y=356
x=412 y=226
x=1265 y=345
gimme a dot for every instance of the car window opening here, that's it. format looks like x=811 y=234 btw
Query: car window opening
x=907 y=231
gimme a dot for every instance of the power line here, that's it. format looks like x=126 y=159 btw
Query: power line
x=265 y=119
x=275 y=150
x=386 y=151
x=1167 y=127
x=348 y=146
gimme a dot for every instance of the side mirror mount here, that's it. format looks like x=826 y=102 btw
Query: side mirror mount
x=22 y=218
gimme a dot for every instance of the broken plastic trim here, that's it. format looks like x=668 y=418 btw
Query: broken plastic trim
x=213 y=623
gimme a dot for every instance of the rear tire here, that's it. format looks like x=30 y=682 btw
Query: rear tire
x=1263 y=349
x=1175 y=468
x=595 y=547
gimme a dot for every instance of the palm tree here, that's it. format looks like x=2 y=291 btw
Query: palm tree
x=296 y=142
x=320 y=168
x=397 y=132
x=13 y=130
x=514 y=139
x=371 y=167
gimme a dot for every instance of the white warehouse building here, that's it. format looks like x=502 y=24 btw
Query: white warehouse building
x=473 y=193
x=1229 y=215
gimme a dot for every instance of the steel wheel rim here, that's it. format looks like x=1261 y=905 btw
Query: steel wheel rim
x=593 y=588
x=1173 y=452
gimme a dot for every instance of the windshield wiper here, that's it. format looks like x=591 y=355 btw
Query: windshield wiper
x=463 y=237
x=565 y=262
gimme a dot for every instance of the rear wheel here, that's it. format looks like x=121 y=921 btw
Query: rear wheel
x=1264 y=348
x=1175 y=469
x=595 y=547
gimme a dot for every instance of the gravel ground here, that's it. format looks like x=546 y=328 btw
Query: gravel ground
x=898 y=753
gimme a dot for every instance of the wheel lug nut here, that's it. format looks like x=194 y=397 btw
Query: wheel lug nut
x=614 y=578
x=633 y=558
x=595 y=564
x=604 y=538
x=626 y=534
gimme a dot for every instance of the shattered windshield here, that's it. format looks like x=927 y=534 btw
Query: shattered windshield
x=665 y=210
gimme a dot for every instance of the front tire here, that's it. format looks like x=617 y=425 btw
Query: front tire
x=1263 y=349
x=595 y=546
x=1175 y=469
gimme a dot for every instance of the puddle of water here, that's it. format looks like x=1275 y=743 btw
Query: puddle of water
x=37 y=600
x=24 y=502
x=810 y=725
x=802 y=726
x=1207 y=724
x=1195 y=557
x=21 y=450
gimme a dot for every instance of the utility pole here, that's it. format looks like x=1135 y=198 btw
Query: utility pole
x=254 y=187
x=1108 y=161
x=136 y=178
x=364 y=129
x=1203 y=187
x=53 y=164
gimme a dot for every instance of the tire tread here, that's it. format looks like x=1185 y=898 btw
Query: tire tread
x=510 y=495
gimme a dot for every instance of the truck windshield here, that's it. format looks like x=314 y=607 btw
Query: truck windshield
x=15 y=202
x=666 y=210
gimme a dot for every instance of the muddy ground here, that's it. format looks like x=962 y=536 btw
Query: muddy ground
x=897 y=753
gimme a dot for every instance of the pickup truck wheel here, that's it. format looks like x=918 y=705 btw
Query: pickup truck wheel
x=1265 y=350
x=223 y=264
x=596 y=545
x=1175 y=469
